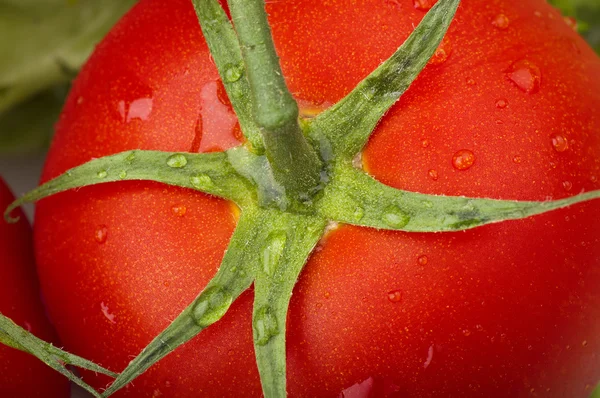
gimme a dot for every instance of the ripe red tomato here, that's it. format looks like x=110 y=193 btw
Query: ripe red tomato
x=506 y=109
x=22 y=375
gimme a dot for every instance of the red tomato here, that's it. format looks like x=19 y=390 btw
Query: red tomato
x=506 y=109
x=23 y=375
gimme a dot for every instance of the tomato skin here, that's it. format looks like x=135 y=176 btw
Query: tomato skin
x=21 y=374
x=509 y=309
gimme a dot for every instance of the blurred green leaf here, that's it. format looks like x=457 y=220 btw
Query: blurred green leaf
x=587 y=14
x=43 y=44
x=29 y=126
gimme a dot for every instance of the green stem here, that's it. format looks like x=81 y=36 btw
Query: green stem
x=227 y=54
x=295 y=163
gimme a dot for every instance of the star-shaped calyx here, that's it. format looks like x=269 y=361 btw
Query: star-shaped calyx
x=290 y=179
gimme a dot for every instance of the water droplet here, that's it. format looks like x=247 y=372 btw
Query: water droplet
x=442 y=53
x=123 y=174
x=559 y=143
x=212 y=305
x=526 y=76
x=179 y=210
x=463 y=159
x=471 y=82
x=217 y=127
x=501 y=21
x=501 y=104
x=201 y=181
x=517 y=159
x=358 y=214
x=357 y=162
x=584 y=343
x=395 y=217
x=264 y=325
x=529 y=347
x=198 y=131
x=479 y=328
x=273 y=251
x=177 y=161
x=79 y=100
x=102 y=174
x=423 y=5
x=594 y=179
x=571 y=22
x=233 y=73
x=567 y=185
x=466 y=332
x=429 y=357
x=433 y=174
x=425 y=143
x=423 y=260
x=107 y=315
x=130 y=158
x=326 y=295
x=395 y=296
x=139 y=108
x=101 y=234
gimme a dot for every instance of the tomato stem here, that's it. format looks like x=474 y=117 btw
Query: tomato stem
x=294 y=161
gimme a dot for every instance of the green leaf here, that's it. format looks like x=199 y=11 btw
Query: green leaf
x=353 y=197
x=16 y=337
x=348 y=124
x=206 y=172
x=283 y=255
x=54 y=38
x=587 y=14
x=28 y=127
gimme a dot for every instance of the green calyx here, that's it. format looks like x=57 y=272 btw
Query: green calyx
x=289 y=180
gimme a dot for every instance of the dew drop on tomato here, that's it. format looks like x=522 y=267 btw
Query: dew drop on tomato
x=501 y=104
x=423 y=260
x=517 y=159
x=363 y=389
x=423 y=5
x=216 y=127
x=463 y=159
x=559 y=143
x=101 y=234
x=571 y=22
x=122 y=174
x=525 y=75
x=425 y=143
x=179 y=210
x=442 y=53
x=567 y=185
x=466 y=332
x=198 y=130
x=433 y=174
x=395 y=296
x=501 y=21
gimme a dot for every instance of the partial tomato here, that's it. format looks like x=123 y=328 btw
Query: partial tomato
x=506 y=109
x=21 y=374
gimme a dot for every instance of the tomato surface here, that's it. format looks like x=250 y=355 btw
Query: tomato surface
x=506 y=109
x=21 y=374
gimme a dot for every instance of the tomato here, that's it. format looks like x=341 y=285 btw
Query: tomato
x=506 y=109
x=21 y=374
